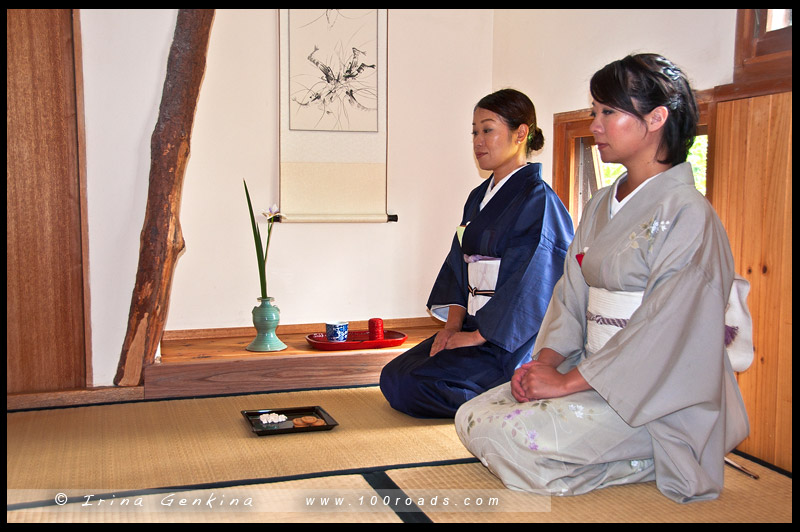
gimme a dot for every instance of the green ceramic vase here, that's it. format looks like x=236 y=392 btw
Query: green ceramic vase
x=266 y=317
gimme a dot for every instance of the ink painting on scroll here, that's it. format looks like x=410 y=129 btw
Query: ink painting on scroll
x=333 y=69
x=333 y=109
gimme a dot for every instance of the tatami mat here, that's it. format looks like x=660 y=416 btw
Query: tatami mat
x=475 y=495
x=341 y=499
x=197 y=460
x=202 y=441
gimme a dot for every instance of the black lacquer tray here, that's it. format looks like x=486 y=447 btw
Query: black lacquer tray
x=288 y=427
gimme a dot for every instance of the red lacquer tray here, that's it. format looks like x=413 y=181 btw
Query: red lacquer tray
x=357 y=340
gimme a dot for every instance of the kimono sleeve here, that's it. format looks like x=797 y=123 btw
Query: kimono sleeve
x=450 y=287
x=531 y=265
x=563 y=328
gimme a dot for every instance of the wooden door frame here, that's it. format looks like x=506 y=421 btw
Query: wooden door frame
x=80 y=107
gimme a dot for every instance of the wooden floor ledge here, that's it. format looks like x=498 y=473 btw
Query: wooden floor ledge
x=195 y=364
x=66 y=398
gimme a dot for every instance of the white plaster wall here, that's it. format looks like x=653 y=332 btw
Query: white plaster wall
x=124 y=64
x=551 y=54
x=441 y=63
x=323 y=271
x=440 y=66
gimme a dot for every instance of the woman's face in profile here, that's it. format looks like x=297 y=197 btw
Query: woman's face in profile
x=619 y=136
x=494 y=144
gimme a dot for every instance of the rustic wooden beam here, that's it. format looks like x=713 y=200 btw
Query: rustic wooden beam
x=161 y=241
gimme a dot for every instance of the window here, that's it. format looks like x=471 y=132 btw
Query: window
x=763 y=45
x=777 y=19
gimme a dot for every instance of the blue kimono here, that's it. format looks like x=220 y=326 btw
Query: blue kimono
x=529 y=229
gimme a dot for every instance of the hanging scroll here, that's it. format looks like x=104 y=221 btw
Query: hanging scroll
x=333 y=115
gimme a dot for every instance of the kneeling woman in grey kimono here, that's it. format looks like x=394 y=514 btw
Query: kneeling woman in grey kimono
x=631 y=380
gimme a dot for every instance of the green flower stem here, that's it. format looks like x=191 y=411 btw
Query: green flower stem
x=260 y=256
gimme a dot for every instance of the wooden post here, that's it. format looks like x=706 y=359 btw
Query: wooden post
x=161 y=240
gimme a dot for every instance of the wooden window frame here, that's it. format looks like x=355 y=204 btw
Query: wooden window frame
x=761 y=54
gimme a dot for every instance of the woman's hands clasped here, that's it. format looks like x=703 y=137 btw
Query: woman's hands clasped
x=540 y=379
x=452 y=339
x=452 y=336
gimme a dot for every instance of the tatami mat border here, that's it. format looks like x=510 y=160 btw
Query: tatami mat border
x=762 y=463
x=251 y=481
x=383 y=484
x=378 y=479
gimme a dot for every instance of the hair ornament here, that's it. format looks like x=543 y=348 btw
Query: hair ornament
x=674 y=101
x=671 y=72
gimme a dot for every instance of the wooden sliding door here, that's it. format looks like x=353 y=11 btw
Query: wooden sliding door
x=752 y=192
x=45 y=323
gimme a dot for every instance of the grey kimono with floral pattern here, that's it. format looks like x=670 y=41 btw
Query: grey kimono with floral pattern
x=666 y=371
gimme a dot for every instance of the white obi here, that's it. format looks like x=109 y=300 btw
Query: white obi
x=739 y=322
x=482 y=277
x=606 y=313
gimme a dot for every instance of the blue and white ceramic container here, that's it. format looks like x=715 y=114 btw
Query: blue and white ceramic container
x=336 y=331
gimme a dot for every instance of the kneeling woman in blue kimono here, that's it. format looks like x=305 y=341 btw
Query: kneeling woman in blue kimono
x=495 y=283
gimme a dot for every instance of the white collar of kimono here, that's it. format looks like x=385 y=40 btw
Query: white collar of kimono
x=616 y=205
x=492 y=189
